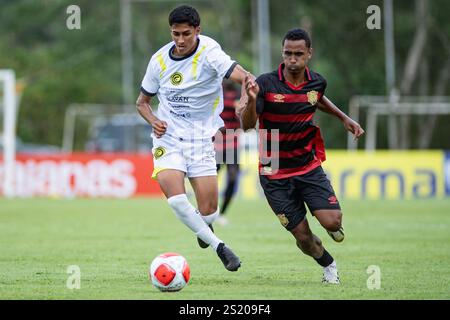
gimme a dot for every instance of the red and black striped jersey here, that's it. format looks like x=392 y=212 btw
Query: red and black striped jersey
x=281 y=105
x=229 y=140
x=228 y=114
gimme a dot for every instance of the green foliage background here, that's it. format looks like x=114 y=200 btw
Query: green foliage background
x=60 y=66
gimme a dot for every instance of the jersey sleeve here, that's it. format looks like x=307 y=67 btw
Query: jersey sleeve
x=260 y=98
x=219 y=61
x=150 y=83
x=324 y=85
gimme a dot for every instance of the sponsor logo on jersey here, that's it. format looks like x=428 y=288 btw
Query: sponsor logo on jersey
x=176 y=78
x=185 y=115
x=312 y=97
x=178 y=106
x=178 y=99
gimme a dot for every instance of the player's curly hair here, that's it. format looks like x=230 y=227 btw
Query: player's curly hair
x=297 y=34
x=184 y=14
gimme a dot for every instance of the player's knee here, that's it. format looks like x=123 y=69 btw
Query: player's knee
x=334 y=222
x=210 y=218
x=208 y=207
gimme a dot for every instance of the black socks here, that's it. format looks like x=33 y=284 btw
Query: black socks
x=325 y=260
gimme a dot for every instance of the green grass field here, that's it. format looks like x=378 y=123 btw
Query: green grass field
x=114 y=241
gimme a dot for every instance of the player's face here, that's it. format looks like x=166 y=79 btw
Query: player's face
x=295 y=55
x=185 y=38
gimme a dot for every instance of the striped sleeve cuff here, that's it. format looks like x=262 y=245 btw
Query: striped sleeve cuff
x=149 y=94
x=230 y=71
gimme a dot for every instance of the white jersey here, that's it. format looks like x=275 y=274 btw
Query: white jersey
x=189 y=88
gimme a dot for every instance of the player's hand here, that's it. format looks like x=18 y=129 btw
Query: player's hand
x=159 y=127
x=353 y=127
x=241 y=105
x=251 y=87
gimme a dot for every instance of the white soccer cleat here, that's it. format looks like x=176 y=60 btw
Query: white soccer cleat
x=330 y=274
x=338 y=235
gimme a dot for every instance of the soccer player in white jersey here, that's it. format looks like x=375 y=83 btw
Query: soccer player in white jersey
x=186 y=75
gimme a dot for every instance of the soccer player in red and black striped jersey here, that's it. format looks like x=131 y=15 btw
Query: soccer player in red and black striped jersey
x=292 y=152
x=226 y=145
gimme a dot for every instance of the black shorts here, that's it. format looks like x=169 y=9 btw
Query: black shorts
x=287 y=197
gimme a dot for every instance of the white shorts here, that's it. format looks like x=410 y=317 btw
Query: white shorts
x=194 y=157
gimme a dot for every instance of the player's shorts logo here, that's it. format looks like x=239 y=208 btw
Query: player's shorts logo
x=176 y=78
x=333 y=200
x=283 y=219
x=313 y=96
x=159 y=152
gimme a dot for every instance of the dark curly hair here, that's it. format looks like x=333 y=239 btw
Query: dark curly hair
x=297 y=34
x=184 y=14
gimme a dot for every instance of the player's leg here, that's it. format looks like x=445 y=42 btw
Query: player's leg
x=311 y=245
x=171 y=182
x=291 y=211
x=206 y=193
x=316 y=190
x=230 y=157
x=202 y=175
x=170 y=171
x=172 y=185
x=306 y=241
x=232 y=179
x=331 y=220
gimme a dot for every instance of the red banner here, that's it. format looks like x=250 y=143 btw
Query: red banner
x=109 y=175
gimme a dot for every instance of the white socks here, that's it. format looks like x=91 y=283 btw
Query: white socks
x=186 y=212
x=211 y=218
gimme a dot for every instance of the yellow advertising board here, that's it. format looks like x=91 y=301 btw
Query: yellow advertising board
x=362 y=175
x=386 y=174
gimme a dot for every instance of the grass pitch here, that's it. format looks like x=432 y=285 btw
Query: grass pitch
x=114 y=241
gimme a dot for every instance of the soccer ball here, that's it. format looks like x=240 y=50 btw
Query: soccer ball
x=169 y=272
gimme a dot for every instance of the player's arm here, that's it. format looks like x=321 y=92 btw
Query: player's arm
x=327 y=106
x=146 y=112
x=248 y=108
x=238 y=76
x=239 y=73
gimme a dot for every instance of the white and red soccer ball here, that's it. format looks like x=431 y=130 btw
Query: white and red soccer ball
x=169 y=272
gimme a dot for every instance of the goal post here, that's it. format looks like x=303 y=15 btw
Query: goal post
x=376 y=106
x=9 y=105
